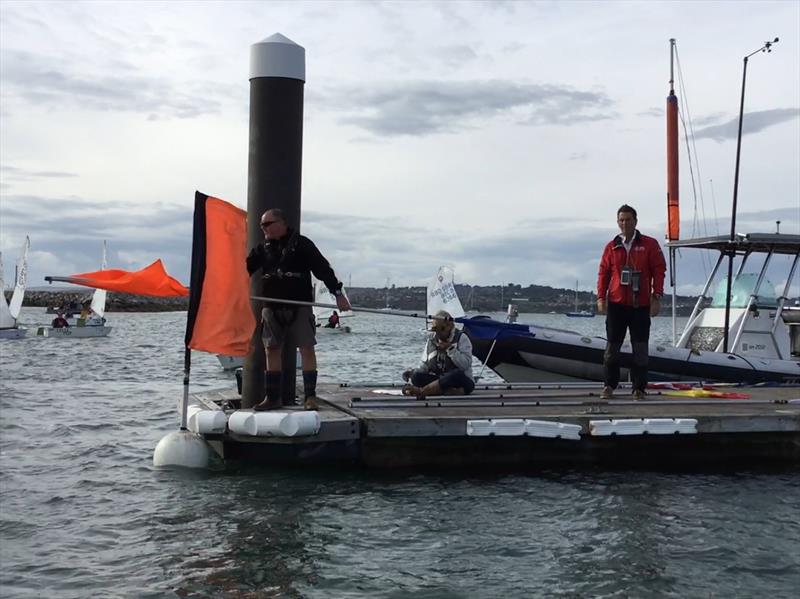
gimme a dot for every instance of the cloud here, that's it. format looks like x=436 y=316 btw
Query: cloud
x=14 y=173
x=653 y=111
x=753 y=122
x=53 y=82
x=431 y=107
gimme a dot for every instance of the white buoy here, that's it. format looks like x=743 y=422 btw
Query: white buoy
x=181 y=448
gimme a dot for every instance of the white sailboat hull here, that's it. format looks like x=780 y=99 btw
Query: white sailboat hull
x=13 y=333
x=74 y=332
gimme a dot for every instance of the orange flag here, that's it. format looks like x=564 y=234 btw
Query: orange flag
x=220 y=317
x=152 y=280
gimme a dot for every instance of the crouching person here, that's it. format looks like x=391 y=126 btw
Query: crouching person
x=446 y=367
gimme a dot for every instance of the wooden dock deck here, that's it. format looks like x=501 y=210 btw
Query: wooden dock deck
x=514 y=425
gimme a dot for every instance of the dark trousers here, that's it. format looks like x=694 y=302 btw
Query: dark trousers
x=621 y=318
x=454 y=378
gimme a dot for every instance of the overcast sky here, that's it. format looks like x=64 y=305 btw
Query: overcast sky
x=498 y=138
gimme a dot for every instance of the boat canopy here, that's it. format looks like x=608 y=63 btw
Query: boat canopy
x=778 y=243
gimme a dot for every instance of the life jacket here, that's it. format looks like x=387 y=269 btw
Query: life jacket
x=437 y=361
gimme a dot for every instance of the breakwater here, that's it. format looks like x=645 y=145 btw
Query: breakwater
x=532 y=299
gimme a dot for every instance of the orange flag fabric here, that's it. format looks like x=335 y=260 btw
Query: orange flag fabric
x=220 y=316
x=152 y=280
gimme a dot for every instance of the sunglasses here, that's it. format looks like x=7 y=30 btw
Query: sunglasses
x=267 y=223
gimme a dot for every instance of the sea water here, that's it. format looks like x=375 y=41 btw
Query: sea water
x=84 y=514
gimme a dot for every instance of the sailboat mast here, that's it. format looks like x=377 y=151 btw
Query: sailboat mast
x=576 y=295
x=673 y=194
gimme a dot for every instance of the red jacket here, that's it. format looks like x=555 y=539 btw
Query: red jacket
x=645 y=256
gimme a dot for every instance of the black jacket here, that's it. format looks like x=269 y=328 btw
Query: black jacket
x=286 y=265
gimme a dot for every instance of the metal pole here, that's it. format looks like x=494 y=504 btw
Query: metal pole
x=277 y=78
x=767 y=47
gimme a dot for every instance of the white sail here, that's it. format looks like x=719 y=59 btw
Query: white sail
x=99 y=296
x=22 y=276
x=442 y=294
x=323 y=296
x=6 y=320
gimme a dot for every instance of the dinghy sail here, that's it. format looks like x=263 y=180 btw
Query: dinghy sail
x=323 y=313
x=99 y=296
x=9 y=312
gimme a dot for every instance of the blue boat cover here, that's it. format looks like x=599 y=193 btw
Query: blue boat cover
x=486 y=328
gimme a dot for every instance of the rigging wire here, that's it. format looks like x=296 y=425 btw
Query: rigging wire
x=688 y=133
x=714 y=204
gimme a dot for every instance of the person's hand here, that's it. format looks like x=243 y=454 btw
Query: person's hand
x=655 y=306
x=601 y=306
x=407 y=375
x=343 y=303
x=440 y=344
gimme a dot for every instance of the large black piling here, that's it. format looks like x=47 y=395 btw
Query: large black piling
x=277 y=77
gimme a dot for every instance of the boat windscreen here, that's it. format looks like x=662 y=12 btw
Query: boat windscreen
x=741 y=290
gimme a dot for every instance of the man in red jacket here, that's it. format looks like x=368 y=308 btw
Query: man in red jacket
x=630 y=284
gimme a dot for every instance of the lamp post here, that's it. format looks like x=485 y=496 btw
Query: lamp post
x=767 y=47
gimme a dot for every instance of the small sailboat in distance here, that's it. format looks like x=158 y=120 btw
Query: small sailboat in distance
x=92 y=323
x=322 y=315
x=9 y=312
x=579 y=313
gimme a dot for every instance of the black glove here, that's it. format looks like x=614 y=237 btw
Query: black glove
x=408 y=374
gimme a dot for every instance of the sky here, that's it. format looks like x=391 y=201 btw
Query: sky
x=497 y=138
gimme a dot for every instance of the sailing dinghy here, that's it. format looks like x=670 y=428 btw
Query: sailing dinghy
x=91 y=325
x=9 y=312
x=322 y=314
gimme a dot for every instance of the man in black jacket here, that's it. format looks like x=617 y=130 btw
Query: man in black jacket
x=286 y=260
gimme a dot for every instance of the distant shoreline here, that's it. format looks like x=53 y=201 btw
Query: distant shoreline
x=534 y=299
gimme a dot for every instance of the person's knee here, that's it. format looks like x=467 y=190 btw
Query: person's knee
x=640 y=355
x=420 y=379
x=611 y=353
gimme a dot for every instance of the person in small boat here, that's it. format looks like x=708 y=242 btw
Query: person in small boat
x=446 y=366
x=630 y=284
x=286 y=261
x=333 y=321
x=94 y=319
x=59 y=322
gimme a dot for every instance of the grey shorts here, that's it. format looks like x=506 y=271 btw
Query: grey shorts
x=278 y=322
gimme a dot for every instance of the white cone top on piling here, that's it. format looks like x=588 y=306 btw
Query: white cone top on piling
x=277 y=56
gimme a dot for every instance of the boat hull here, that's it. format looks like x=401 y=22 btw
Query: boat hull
x=74 y=332
x=541 y=354
x=13 y=333
x=340 y=330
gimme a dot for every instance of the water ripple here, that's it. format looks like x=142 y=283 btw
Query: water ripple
x=84 y=513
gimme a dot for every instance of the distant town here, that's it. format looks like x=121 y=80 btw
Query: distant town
x=474 y=298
